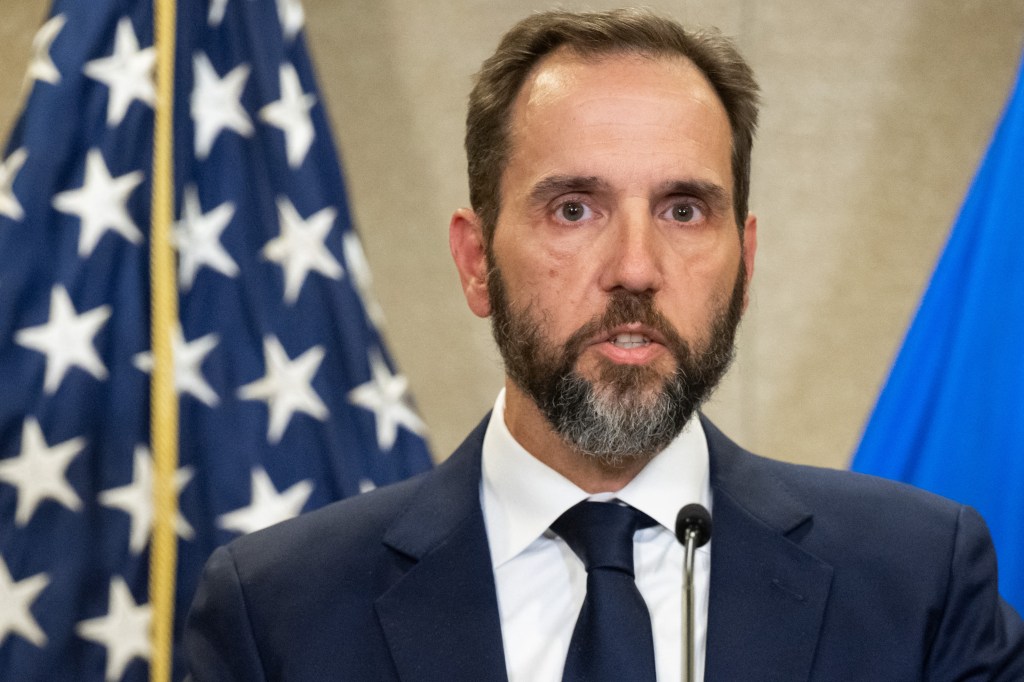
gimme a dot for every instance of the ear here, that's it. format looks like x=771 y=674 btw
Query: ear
x=749 y=251
x=466 y=240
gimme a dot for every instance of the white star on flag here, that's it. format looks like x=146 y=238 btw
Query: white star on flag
x=291 y=16
x=267 y=506
x=128 y=73
x=16 y=600
x=136 y=499
x=286 y=387
x=66 y=339
x=39 y=472
x=188 y=366
x=291 y=115
x=9 y=169
x=359 y=268
x=300 y=248
x=101 y=204
x=385 y=395
x=42 y=68
x=196 y=237
x=216 y=13
x=216 y=103
x=124 y=631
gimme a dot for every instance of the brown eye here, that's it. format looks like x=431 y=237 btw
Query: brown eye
x=684 y=213
x=573 y=211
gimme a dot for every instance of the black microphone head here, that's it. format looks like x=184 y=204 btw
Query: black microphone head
x=696 y=518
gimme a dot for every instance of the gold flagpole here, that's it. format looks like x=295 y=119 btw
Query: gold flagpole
x=164 y=312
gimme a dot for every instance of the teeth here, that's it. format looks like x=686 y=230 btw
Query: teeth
x=630 y=340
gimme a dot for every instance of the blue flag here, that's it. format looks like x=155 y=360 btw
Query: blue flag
x=951 y=417
x=288 y=399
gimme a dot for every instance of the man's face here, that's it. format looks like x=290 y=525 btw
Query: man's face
x=617 y=271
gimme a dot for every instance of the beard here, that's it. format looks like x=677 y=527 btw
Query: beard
x=629 y=412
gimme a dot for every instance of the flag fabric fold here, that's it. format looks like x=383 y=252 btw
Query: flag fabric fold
x=950 y=418
x=288 y=398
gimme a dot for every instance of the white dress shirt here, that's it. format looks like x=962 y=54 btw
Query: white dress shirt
x=541 y=583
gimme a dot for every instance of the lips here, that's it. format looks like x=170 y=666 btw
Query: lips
x=628 y=340
x=630 y=335
x=632 y=343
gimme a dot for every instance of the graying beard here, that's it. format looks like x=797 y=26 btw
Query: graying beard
x=614 y=430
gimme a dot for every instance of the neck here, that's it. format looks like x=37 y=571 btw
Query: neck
x=532 y=430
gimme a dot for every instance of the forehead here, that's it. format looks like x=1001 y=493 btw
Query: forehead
x=644 y=104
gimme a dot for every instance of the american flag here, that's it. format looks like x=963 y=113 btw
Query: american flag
x=288 y=399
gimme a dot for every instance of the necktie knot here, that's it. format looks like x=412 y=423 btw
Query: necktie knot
x=601 y=533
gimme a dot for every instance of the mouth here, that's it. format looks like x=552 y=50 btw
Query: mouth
x=632 y=343
x=630 y=335
x=629 y=340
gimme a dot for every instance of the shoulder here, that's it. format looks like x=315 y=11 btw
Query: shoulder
x=340 y=531
x=911 y=572
x=371 y=530
x=864 y=496
x=843 y=516
x=756 y=480
x=922 y=565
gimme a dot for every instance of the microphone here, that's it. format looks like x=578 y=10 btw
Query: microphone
x=693 y=529
x=694 y=518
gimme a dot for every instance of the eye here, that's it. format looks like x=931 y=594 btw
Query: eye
x=574 y=211
x=685 y=212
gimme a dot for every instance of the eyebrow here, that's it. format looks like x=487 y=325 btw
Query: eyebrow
x=554 y=185
x=713 y=193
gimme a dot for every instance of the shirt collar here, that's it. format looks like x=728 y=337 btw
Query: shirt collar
x=521 y=496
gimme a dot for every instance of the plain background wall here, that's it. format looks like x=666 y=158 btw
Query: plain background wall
x=876 y=114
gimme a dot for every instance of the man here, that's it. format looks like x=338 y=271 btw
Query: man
x=610 y=243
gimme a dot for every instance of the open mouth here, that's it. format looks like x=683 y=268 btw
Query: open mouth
x=630 y=340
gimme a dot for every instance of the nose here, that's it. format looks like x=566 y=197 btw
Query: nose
x=634 y=260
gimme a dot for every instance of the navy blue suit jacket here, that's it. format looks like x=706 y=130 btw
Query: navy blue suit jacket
x=815 y=575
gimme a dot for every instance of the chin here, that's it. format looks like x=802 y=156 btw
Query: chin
x=636 y=384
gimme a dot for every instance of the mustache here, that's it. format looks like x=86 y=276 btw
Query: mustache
x=625 y=307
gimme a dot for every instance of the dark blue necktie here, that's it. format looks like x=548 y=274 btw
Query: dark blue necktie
x=612 y=639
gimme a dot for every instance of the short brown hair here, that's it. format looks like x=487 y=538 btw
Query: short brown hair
x=636 y=31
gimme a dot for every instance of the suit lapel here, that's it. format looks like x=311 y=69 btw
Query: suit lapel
x=768 y=595
x=440 y=618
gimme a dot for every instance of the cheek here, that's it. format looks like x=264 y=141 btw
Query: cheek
x=696 y=292
x=692 y=277
x=543 y=270
x=715 y=261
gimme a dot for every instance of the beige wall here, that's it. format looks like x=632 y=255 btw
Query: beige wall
x=876 y=114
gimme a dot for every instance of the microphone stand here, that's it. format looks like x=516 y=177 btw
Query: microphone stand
x=693 y=530
x=689 y=667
